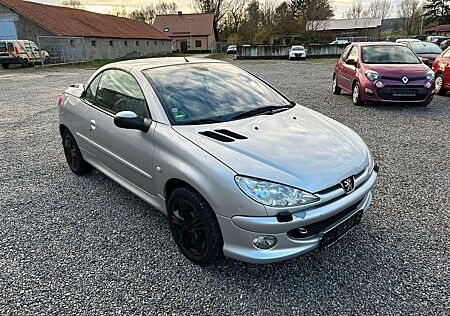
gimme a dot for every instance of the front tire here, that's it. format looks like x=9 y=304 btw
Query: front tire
x=335 y=87
x=356 y=95
x=440 y=85
x=73 y=154
x=5 y=66
x=194 y=227
x=25 y=63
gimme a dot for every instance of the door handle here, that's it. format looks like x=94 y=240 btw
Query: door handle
x=92 y=125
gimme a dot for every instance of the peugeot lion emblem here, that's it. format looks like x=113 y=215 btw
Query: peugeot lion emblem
x=348 y=185
x=405 y=79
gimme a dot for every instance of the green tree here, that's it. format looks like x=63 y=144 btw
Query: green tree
x=437 y=12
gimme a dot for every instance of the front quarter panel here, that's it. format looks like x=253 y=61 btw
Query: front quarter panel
x=179 y=158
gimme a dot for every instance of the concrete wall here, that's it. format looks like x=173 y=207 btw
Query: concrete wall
x=282 y=52
x=113 y=48
x=206 y=43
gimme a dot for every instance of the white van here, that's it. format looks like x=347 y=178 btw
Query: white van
x=22 y=52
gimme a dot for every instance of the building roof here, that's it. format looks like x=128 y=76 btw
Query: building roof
x=63 y=21
x=444 y=27
x=185 y=24
x=343 y=24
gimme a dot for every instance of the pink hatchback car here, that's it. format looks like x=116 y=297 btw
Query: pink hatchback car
x=383 y=73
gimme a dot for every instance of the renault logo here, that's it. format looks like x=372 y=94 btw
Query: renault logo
x=405 y=79
x=348 y=185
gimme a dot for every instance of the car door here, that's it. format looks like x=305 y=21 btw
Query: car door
x=125 y=152
x=446 y=67
x=348 y=72
x=339 y=66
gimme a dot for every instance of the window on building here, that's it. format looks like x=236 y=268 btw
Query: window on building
x=111 y=43
x=137 y=43
x=156 y=43
x=148 y=44
x=72 y=43
x=94 y=43
x=198 y=43
x=125 y=43
x=166 y=29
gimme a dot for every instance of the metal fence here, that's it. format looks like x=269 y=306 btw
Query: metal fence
x=62 y=49
x=219 y=47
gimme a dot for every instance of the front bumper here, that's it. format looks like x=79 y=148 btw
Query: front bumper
x=239 y=231
x=370 y=93
x=11 y=60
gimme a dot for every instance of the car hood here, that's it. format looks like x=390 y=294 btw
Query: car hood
x=411 y=70
x=298 y=147
x=429 y=56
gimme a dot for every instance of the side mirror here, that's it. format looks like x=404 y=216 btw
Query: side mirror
x=130 y=120
x=351 y=62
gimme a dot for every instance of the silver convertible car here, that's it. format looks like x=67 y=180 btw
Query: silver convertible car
x=239 y=169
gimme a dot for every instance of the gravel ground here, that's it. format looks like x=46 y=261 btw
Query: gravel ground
x=85 y=246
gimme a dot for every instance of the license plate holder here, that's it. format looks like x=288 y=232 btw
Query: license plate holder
x=334 y=234
x=404 y=92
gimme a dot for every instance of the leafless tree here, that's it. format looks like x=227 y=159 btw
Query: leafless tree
x=218 y=7
x=76 y=4
x=356 y=11
x=411 y=11
x=379 y=9
x=236 y=14
x=165 y=7
x=145 y=13
x=119 y=10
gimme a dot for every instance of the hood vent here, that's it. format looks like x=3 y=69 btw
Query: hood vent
x=223 y=135
x=217 y=136
x=230 y=133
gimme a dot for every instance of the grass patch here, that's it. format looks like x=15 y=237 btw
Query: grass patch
x=222 y=56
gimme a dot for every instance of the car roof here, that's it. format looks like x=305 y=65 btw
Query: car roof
x=364 y=44
x=147 y=63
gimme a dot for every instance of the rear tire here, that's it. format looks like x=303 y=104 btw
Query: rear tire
x=335 y=87
x=5 y=66
x=46 y=60
x=194 y=227
x=440 y=85
x=356 y=95
x=73 y=154
x=25 y=63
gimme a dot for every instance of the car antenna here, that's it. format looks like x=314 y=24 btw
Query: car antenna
x=185 y=59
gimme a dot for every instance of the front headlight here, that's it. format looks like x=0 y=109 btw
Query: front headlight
x=371 y=161
x=372 y=75
x=430 y=75
x=274 y=194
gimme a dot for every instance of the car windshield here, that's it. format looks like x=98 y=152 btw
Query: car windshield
x=386 y=54
x=209 y=92
x=425 y=48
x=297 y=48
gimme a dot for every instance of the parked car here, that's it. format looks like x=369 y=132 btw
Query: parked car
x=436 y=39
x=339 y=42
x=231 y=49
x=257 y=181
x=441 y=67
x=421 y=37
x=383 y=72
x=22 y=52
x=406 y=40
x=445 y=44
x=426 y=51
x=297 y=52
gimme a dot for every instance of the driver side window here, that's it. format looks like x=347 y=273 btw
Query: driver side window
x=345 y=53
x=118 y=91
x=447 y=54
x=353 y=53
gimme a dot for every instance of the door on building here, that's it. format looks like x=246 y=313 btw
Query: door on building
x=7 y=28
x=183 y=45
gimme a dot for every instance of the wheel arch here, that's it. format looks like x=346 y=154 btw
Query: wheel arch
x=175 y=183
x=62 y=128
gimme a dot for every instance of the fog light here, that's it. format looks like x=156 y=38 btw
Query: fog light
x=264 y=242
x=379 y=84
x=369 y=91
x=428 y=85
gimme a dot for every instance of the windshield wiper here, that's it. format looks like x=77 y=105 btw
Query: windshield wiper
x=201 y=121
x=262 y=110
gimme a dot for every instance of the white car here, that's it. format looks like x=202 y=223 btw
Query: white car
x=231 y=49
x=297 y=52
x=339 y=42
x=404 y=40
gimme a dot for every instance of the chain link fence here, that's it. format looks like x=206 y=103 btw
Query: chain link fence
x=219 y=47
x=62 y=49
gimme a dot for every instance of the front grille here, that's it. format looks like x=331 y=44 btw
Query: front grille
x=317 y=227
x=403 y=93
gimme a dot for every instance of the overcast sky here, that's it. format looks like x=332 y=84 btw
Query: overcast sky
x=103 y=6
